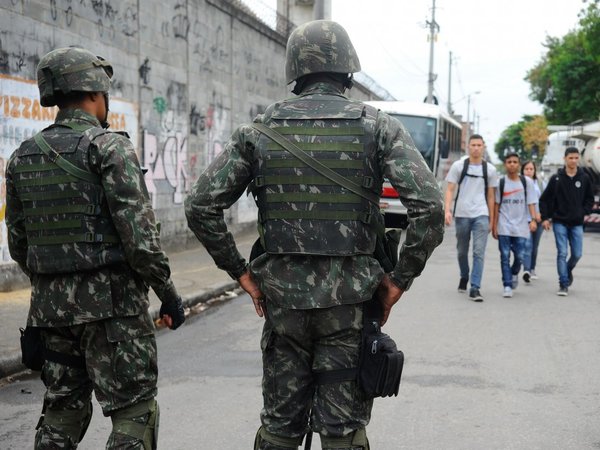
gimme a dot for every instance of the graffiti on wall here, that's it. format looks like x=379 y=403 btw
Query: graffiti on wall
x=110 y=17
x=22 y=116
x=165 y=146
x=165 y=158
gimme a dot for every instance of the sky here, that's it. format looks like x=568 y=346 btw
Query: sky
x=493 y=42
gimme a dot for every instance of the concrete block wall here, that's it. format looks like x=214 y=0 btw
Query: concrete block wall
x=187 y=72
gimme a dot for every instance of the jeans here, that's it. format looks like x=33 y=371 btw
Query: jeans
x=531 y=249
x=480 y=227
x=567 y=236
x=506 y=244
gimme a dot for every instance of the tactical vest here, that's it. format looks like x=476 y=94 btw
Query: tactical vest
x=67 y=220
x=301 y=211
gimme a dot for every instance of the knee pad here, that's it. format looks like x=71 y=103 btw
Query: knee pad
x=267 y=441
x=64 y=426
x=356 y=440
x=135 y=425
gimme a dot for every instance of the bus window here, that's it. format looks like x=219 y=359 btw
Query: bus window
x=422 y=131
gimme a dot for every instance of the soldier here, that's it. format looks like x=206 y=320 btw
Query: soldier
x=81 y=226
x=319 y=237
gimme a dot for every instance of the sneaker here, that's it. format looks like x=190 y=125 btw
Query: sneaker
x=563 y=291
x=526 y=277
x=515 y=281
x=570 y=278
x=462 y=285
x=507 y=292
x=533 y=275
x=475 y=295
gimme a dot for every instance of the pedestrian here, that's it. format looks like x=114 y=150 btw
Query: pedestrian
x=81 y=226
x=474 y=181
x=529 y=169
x=318 y=237
x=565 y=201
x=514 y=207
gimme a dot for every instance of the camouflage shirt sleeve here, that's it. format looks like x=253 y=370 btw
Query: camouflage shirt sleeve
x=405 y=168
x=131 y=211
x=15 y=220
x=217 y=188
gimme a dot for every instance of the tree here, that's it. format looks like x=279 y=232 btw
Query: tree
x=566 y=80
x=511 y=139
x=534 y=136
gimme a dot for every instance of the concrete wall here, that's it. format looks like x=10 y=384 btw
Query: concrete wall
x=186 y=74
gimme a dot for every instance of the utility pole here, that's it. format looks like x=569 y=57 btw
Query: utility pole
x=433 y=28
x=468 y=134
x=450 y=86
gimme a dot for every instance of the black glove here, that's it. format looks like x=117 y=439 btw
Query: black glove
x=174 y=309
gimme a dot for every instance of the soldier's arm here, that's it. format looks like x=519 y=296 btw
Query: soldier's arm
x=15 y=222
x=405 y=168
x=129 y=203
x=217 y=188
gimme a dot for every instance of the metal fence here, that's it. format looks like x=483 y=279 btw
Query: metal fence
x=267 y=13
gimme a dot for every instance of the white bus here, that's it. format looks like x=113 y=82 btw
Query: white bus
x=436 y=134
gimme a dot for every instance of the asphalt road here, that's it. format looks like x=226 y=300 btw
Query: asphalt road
x=519 y=373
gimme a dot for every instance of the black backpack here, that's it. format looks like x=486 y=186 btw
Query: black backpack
x=463 y=174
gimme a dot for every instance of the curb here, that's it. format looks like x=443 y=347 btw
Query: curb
x=12 y=365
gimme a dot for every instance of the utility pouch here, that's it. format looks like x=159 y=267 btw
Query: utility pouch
x=381 y=363
x=32 y=353
x=386 y=249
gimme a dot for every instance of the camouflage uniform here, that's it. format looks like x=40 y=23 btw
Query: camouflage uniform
x=90 y=296
x=314 y=284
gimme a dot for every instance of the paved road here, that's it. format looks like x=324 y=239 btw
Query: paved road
x=518 y=373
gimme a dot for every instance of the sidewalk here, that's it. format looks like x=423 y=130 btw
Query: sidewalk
x=193 y=271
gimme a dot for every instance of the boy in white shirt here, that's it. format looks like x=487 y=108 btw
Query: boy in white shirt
x=514 y=208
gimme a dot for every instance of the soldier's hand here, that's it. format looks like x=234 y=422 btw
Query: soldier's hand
x=172 y=313
x=250 y=286
x=388 y=294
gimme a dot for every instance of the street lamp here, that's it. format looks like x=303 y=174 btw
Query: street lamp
x=468 y=134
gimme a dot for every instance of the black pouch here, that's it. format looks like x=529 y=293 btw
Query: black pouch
x=381 y=362
x=386 y=249
x=32 y=352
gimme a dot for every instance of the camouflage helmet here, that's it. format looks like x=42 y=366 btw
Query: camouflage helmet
x=71 y=69
x=319 y=46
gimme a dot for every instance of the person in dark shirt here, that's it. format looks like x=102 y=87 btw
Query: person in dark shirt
x=565 y=201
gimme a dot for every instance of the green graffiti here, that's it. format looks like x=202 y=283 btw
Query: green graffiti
x=160 y=104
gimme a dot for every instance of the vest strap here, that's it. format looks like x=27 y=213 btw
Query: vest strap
x=316 y=131
x=317 y=215
x=58 y=225
x=330 y=163
x=90 y=210
x=48 y=195
x=74 y=238
x=63 y=163
x=312 y=197
x=322 y=147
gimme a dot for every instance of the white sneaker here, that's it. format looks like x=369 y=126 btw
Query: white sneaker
x=507 y=292
x=533 y=275
x=515 y=281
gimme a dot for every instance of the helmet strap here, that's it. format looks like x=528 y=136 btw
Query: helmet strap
x=104 y=123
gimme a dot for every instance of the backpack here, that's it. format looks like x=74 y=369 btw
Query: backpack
x=463 y=174
x=501 y=189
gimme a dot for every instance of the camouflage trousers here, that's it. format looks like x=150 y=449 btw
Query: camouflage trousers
x=297 y=343
x=120 y=368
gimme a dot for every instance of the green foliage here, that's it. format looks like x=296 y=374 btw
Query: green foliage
x=566 y=80
x=511 y=139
